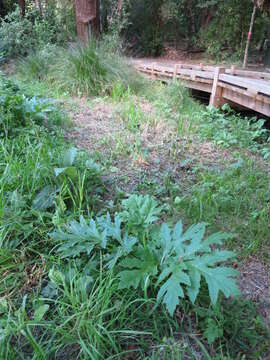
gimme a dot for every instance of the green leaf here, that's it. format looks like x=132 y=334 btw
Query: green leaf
x=165 y=240
x=213 y=331
x=40 y=312
x=140 y=211
x=124 y=249
x=195 y=282
x=221 y=279
x=216 y=239
x=195 y=257
x=130 y=279
x=69 y=157
x=217 y=257
x=141 y=268
x=80 y=238
x=70 y=172
x=45 y=199
x=177 y=231
x=195 y=234
x=171 y=290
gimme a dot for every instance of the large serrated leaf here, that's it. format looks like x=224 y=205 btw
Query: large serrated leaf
x=69 y=157
x=140 y=268
x=195 y=282
x=221 y=279
x=171 y=290
x=197 y=260
x=45 y=198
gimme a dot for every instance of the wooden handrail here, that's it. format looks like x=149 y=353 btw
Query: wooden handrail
x=247 y=88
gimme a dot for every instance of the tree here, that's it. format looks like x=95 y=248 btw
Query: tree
x=22 y=6
x=39 y=6
x=87 y=13
x=95 y=26
x=2 y=9
x=250 y=33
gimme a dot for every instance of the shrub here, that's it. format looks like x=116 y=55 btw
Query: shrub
x=16 y=34
x=88 y=71
x=37 y=64
x=232 y=130
x=18 y=111
x=20 y=36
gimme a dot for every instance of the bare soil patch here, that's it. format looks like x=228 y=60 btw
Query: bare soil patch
x=254 y=283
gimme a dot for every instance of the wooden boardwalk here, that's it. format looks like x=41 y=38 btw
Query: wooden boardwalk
x=247 y=89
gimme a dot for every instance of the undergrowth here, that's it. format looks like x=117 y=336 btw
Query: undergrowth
x=78 y=70
x=120 y=276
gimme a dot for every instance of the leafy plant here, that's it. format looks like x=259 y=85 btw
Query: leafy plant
x=139 y=211
x=170 y=260
x=232 y=130
x=132 y=116
x=17 y=110
x=70 y=181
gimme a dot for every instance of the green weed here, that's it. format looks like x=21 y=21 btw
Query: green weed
x=236 y=199
x=228 y=129
x=87 y=277
x=132 y=116
x=81 y=70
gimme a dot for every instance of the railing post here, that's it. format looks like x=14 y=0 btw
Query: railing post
x=216 y=99
x=175 y=71
x=152 y=72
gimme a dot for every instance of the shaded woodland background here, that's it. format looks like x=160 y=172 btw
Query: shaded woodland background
x=145 y=27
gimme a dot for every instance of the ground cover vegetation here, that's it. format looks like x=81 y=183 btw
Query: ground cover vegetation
x=129 y=213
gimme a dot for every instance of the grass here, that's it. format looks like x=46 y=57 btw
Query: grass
x=58 y=307
x=79 y=70
x=235 y=199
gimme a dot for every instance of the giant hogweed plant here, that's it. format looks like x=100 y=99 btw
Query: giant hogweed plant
x=168 y=260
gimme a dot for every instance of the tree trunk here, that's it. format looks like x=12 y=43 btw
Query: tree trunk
x=39 y=6
x=209 y=17
x=119 y=11
x=22 y=6
x=267 y=8
x=191 y=16
x=2 y=9
x=95 y=26
x=249 y=34
x=85 y=12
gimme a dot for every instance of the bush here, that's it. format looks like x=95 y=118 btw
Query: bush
x=37 y=64
x=16 y=35
x=231 y=130
x=18 y=111
x=21 y=35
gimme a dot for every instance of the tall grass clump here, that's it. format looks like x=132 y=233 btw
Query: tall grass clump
x=81 y=70
x=88 y=71
x=36 y=65
x=93 y=70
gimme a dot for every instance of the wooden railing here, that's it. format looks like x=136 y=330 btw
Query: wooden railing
x=250 y=89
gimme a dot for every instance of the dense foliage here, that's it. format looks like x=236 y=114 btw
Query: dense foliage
x=87 y=264
x=20 y=36
x=95 y=262
x=146 y=27
x=216 y=25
